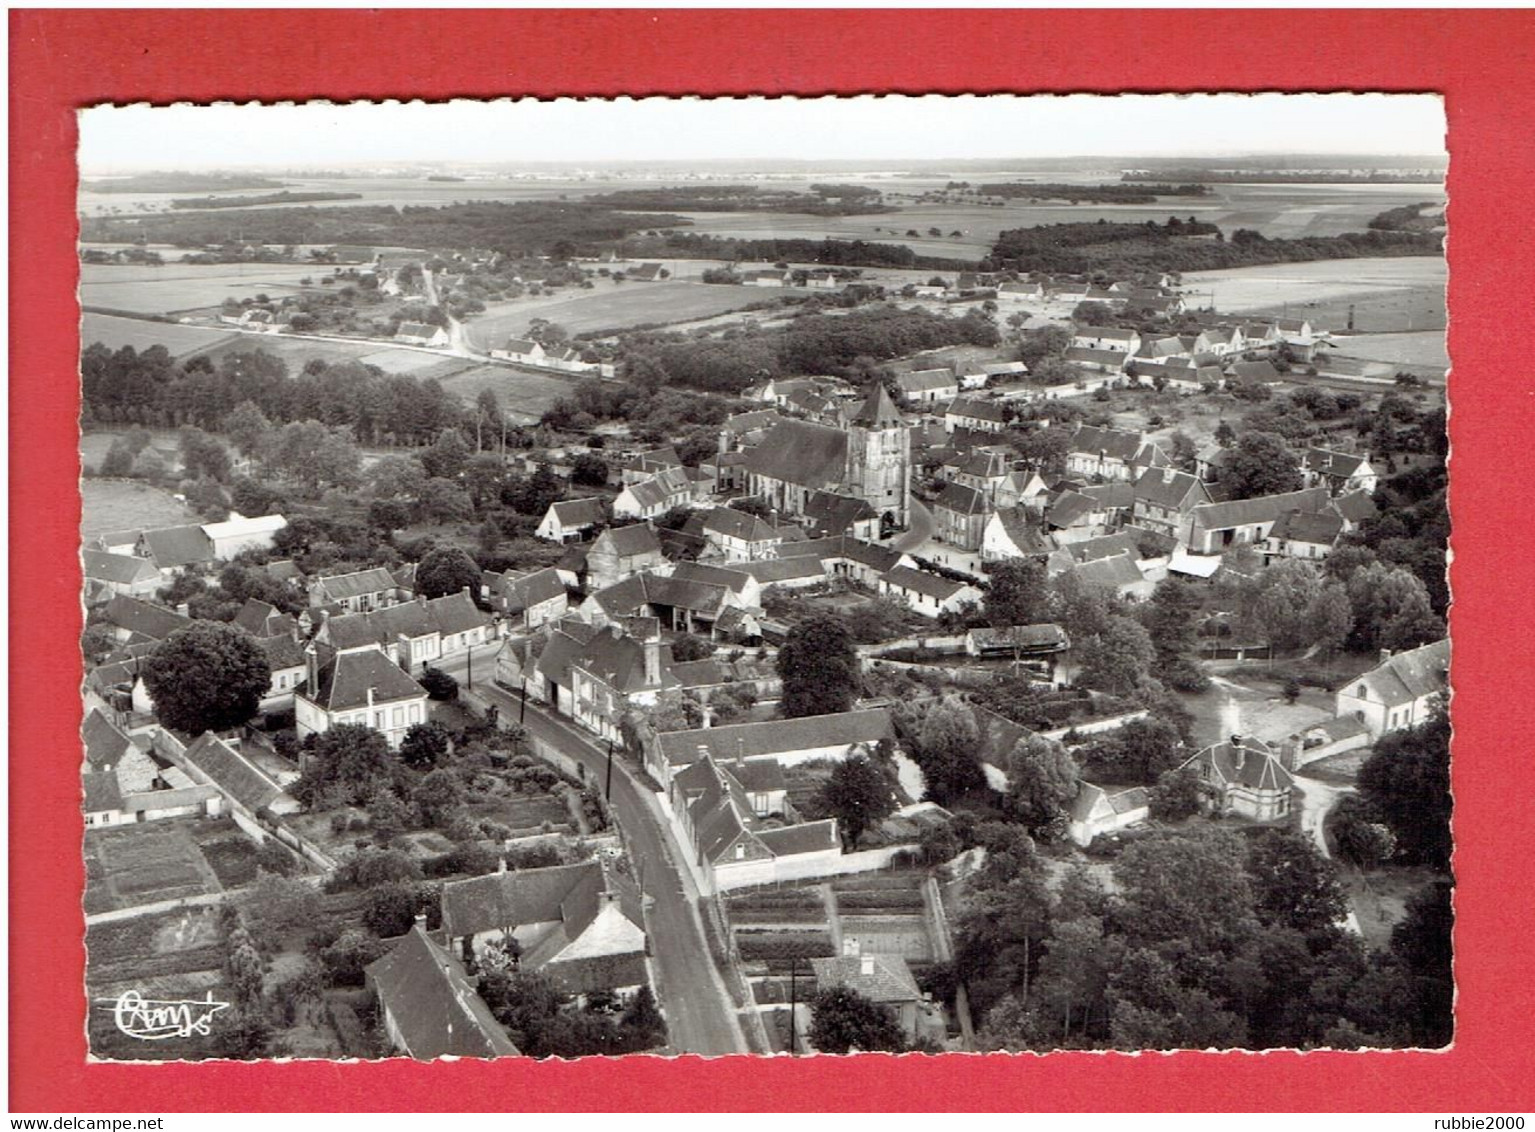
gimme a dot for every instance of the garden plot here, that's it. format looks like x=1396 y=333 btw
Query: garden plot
x=885 y=914
x=124 y=505
x=128 y=866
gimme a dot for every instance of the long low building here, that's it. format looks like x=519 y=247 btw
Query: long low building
x=788 y=741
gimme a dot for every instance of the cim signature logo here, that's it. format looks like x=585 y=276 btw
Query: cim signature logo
x=154 y=1020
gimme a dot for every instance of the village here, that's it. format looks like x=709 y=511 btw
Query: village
x=939 y=686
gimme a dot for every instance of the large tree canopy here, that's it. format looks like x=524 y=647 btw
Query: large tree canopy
x=447 y=570
x=819 y=668
x=208 y=676
x=858 y=793
x=841 y=1019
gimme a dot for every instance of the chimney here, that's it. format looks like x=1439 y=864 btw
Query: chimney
x=420 y=920
x=1385 y=655
x=500 y=864
x=421 y=600
x=653 y=656
x=183 y=609
x=1167 y=475
x=866 y=965
x=370 y=695
x=1238 y=752
x=311 y=669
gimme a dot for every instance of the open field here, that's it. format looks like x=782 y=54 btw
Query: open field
x=1419 y=348
x=116 y=332
x=628 y=304
x=523 y=396
x=182 y=287
x=164 y=860
x=1387 y=294
x=124 y=505
x=298 y=352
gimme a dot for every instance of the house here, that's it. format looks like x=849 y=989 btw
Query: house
x=253 y=796
x=1112 y=454
x=1017 y=641
x=361 y=686
x=787 y=741
x=976 y=415
x=357 y=592
x=133 y=620
x=1009 y=534
x=285 y=659
x=869 y=459
x=1099 y=361
x=647 y=272
x=1309 y=536
x=765 y=278
x=1210 y=462
x=731 y=846
x=262 y=619
x=1010 y=296
x=581 y=926
x=1340 y=472
x=1116 y=339
x=1211 y=528
x=829 y=515
x=1261 y=372
x=620 y=668
x=530 y=601
x=421 y=334
x=925 y=386
x=240 y=534
x=571 y=519
x=960 y=513
x=411 y=633
x=1095 y=811
x=1400 y=692
x=885 y=980
x=927 y=594
x=653 y=497
x=110 y=575
x=1243 y=775
x=1073 y=516
x=175 y=550
x=524 y=350
x=621 y=552
x=428 y=1006
x=741 y=537
x=1165 y=498
x=1118 y=574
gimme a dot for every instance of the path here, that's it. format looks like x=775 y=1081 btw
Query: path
x=920 y=529
x=700 y=1013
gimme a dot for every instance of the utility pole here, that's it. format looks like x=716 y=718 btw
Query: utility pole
x=469 y=678
x=793 y=1007
x=522 y=712
x=607 y=792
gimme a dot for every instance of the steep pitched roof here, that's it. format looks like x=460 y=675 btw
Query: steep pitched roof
x=102 y=792
x=801 y=452
x=921 y=582
x=1407 y=676
x=282 y=652
x=1356 y=506
x=120 y=569
x=1259 y=509
x=1068 y=508
x=435 y=1008
x=231 y=771
x=1164 y=487
x=573 y=513
x=455 y=613
x=105 y=743
x=960 y=499
x=835 y=514
x=1114 y=443
x=1112 y=573
x=373 y=580
x=1027 y=538
x=513 y=899
x=533 y=589
x=1326 y=462
x=347 y=677
x=778 y=736
x=1248 y=762
x=727 y=522
x=968 y=408
x=147 y=620
x=1313 y=527
x=879 y=978
x=807 y=837
x=926 y=380
x=178 y=546
x=628 y=542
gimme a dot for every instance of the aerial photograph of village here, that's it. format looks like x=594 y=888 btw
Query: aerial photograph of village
x=765 y=577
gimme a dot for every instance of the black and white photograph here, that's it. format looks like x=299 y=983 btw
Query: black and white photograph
x=910 y=574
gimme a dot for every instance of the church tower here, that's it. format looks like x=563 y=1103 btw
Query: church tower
x=879 y=457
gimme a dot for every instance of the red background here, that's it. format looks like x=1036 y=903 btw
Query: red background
x=1480 y=61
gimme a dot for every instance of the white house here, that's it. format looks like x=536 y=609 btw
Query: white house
x=421 y=334
x=1400 y=692
x=362 y=686
x=571 y=519
x=240 y=534
x=927 y=594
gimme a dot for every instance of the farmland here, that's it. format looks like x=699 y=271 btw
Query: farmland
x=631 y=304
x=116 y=333
x=1420 y=348
x=178 y=287
x=524 y=396
x=1387 y=294
x=165 y=860
x=119 y=505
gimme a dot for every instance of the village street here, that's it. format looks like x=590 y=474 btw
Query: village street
x=700 y=1015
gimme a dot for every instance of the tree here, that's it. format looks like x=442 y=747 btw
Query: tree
x=447 y=570
x=424 y=745
x=1285 y=597
x=1135 y=754
x=819 y=668
x=203 y=455
x=946 y=751
x=1117 y=659
x=1225 y=435
x=1170 y=620
x=1188 y=892
x=483 y=477
x=398 y=478
x=277 y=907
x=1042 y=782
x=391 y=910
x=1260 y=464
x=588 y=470
x=1407 y=781
x=1362 y=840
x=118 y=461
x=438 y=797
x=1293 y=884
x=247 y=426
x=443 y=501
x=842 y=1020
x=207 y=676
x=447 y=458
x=1016 y=594
x=858 y=793
x=1421 y=942
x=346 y=765
x=1175 y=796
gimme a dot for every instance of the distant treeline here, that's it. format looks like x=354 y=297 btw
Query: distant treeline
x=822 y=200
x=1409 y=218
x=179 y=183
x=1290 y=177
x=555 y=228
x=283 y=197
x=848 y=345
x=148 y=387
x=832 y=253
x=1092 y=194
x=1183 y=246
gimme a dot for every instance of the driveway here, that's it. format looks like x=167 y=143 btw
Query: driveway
x=701 y=1017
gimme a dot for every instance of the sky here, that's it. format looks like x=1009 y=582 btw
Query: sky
x=664 y=130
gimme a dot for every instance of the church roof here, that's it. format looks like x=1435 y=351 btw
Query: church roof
x=801 y=452
x=877 y=410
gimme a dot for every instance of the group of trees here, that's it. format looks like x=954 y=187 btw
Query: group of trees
x=542 y=1022
x=1207 y=940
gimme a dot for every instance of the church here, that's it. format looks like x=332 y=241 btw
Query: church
x=870 y=459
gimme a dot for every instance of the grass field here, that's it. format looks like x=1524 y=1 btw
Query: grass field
x=1421 y=348
x=524 y=397
x=164 y=860
x=118 y=332
x=1387 y=294
x=123 y=505
x=298 y=352
x=181 y=287
x=628 y=304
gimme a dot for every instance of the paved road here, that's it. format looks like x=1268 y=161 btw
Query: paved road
x=700 y=1014
x=918 y=531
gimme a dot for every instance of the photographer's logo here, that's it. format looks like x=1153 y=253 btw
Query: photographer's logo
x=154 y=1020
